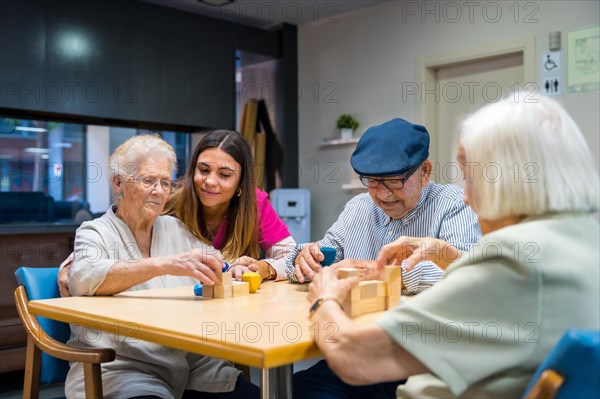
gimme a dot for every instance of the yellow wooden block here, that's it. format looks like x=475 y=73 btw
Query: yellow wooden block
x=239 y=288
x=207 y=291
x=223 y=291
x=253 y=279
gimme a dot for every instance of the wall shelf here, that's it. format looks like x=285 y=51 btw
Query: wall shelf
x=338 y=142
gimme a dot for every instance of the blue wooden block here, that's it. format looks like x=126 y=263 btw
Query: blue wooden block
x=198 y=289
x=329 y=254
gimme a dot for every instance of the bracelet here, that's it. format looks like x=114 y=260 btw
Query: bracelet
x=315 y=306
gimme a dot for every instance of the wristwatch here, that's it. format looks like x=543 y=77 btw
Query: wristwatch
x=315 y=306
x=271 y=275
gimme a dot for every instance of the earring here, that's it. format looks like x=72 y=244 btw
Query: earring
x=120 y=194
x=238 y=192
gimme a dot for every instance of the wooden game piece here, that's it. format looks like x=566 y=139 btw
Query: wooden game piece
x=345 y=272
x=253 y=279
x=239 y=288
x=392 y=275
x=224 y=279
x=223 y=291
x=207 y=291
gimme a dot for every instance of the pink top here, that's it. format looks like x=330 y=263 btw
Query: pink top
x=271 y=229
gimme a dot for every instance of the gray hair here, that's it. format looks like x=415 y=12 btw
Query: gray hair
x=126 y=159
x=528 y=157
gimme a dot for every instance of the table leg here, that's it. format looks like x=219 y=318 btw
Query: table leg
x=276 y=382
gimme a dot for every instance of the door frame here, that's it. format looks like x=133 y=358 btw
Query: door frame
x=429 y=64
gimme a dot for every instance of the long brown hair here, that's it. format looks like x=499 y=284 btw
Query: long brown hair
x=242 y=215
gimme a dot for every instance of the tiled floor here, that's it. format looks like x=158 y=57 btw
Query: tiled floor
x=11 y=384
x=11 y=387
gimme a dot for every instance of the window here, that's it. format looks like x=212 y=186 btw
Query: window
x=64 y=164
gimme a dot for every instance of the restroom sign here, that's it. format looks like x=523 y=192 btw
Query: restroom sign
x=551 y=85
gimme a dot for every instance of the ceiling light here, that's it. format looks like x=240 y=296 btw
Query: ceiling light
x=31 y=129
x=36 y=150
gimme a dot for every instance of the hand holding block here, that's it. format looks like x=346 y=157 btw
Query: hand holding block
x=345 y=272
x=329 y=254
x=253 y=279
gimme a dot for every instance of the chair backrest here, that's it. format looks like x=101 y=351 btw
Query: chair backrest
x=41 y=283
x=576 y=357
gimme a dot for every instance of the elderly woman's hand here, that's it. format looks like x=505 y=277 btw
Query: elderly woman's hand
x=200 y=264
x=63 y=280
x=327 y=285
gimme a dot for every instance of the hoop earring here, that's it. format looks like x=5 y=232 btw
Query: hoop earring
x=238 y=192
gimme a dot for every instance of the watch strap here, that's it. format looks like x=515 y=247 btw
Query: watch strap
x=317 y=304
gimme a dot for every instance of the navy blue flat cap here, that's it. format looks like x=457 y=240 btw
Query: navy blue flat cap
x=390 y=149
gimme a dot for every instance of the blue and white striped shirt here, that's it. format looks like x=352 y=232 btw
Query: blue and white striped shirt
x=363 y=228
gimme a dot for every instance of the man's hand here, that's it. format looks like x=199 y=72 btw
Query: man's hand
x=308 y=262
x=368 y=269
x=415 y=250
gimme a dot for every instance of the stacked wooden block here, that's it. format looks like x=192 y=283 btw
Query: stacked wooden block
x=372 y=295
x=226 y=288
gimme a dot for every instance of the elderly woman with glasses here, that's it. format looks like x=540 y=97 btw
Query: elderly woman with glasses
x=133 y=247
x=483 y=330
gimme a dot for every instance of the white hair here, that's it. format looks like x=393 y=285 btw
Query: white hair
x=528 y=157
x=126 y=159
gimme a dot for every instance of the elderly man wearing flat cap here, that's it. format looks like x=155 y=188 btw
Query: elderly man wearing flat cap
x=402 y=202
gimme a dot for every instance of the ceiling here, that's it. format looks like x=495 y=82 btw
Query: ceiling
x=268 y=13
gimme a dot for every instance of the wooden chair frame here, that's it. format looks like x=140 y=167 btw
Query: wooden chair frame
x=38 y=341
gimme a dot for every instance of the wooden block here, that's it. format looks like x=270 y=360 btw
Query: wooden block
x=239 y=288
x=345 y=272
x=351 y=303
x=223 y=291
x=373 y=304
x=368 y=289
x=207 y=291
x=392 y=275
x=253 y=279
x=382 y=288
x=224 y=279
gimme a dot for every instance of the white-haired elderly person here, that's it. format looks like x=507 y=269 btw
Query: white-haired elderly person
x=485 y=327
x=132 y=247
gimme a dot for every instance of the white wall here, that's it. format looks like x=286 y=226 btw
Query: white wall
x=358 y=65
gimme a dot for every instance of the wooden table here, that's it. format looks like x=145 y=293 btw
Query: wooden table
x=269 y=329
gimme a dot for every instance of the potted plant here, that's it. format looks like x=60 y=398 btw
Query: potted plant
x=347 y=124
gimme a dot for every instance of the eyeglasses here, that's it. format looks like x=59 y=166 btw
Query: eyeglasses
x=150 y=182
x=390 y=184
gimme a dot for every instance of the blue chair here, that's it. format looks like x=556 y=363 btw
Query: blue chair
x=49 y=336
x=570 y=370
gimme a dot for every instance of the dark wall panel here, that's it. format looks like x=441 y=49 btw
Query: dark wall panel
x=123 y=60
